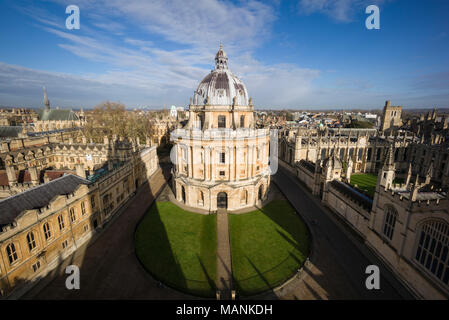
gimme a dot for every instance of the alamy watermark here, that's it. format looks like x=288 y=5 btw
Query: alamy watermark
x=373 y=280
x=72 y=21
x=73 y=280
x=373 y=20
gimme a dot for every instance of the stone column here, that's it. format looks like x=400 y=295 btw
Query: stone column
x=190 y=161
x=237 y=163
x=248 y=159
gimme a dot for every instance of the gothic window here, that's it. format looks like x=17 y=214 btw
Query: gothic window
x=47 y=231
x=12 y=253
x=61 y=222
x=72 y=214
x=83 y=208
x=31 y=241
x=432 y=249
x=222 y=121
x=242 y=121
x=390 y=221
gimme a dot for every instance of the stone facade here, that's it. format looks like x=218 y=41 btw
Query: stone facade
x=406 y=225
x=51 y=221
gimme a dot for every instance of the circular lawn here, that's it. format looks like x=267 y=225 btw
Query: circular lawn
x=267 y=247
x=178 y=248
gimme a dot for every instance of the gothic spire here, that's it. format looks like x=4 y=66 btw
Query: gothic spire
x=46 y=101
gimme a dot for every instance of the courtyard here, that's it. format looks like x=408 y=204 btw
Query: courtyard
x=365 y=182
x=179 y=248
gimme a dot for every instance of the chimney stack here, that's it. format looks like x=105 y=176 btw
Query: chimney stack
x=34 y=175
x=80 y=170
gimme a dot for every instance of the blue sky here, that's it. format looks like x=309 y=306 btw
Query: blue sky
x=290 y=54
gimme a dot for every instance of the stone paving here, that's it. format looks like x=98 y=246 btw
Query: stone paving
x=224 y=263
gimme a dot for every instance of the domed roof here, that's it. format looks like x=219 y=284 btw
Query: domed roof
x=221 y=86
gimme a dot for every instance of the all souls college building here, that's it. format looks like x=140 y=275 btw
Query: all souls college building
x=221 y=159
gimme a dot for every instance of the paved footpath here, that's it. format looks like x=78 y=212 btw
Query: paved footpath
x=108 y=266
x=224 y=265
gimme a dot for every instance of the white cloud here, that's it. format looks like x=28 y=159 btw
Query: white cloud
x=339 y=10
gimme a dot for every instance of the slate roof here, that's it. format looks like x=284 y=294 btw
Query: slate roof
x=38 y=197
x=10 y=131
x=57 y=114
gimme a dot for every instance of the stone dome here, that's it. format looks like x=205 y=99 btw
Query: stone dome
x=220 y=86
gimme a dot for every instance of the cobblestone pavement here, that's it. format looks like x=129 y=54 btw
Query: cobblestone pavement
x=224 y=266
x=109 y=268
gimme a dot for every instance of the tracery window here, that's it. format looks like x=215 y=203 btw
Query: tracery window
x=432 y=249
x=390 y=221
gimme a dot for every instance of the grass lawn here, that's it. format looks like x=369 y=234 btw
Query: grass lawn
x=267 y=247
x=365 y=181
x=179 y=248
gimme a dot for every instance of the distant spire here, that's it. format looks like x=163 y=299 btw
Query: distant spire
x=46 y=101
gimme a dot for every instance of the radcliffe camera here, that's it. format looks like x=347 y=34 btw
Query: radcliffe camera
x=224 y=154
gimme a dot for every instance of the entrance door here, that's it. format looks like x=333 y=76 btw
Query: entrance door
x=222 y=200
x=261 y=192
x=183 y=191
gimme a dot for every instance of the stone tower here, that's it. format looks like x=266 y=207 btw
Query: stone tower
x=391 y=117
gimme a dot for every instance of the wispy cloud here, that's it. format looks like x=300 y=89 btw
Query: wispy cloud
x=172 y=74
x=339 y=10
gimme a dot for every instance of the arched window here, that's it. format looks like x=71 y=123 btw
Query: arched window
x=242 y=121
x=31 y=241
x=222 y=121
x=61 y=222
x=72 y=214
x=390 y=221
x=83 y=208
x=261 y=192
x=47 y=231
x=11 y=253
x=432 y=249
